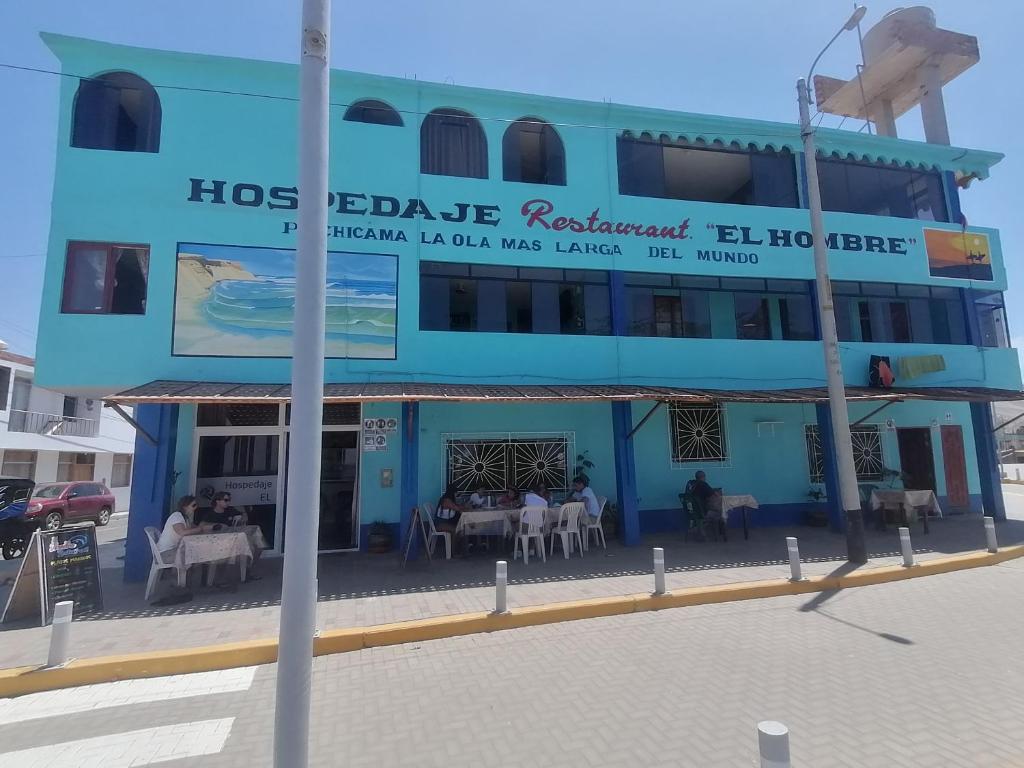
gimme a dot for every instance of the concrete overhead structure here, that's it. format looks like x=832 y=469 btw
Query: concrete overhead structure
x=907 y=60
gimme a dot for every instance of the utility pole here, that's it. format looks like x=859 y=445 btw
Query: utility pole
x=299 y=588
x=856 y=548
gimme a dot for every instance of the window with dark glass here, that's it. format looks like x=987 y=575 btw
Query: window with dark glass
x=372 y=111
x=532 y=151
x=753 y=320
x=5 y=386
x=679 y=171
x=991 y=314
x=452 y=143
x=881 y=190
x=104 y=278
x=499 y=299
x=118 y=111
x=890 y=313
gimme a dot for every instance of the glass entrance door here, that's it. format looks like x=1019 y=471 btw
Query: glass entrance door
x=339 y=471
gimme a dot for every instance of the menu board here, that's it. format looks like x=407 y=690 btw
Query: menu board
x=59 y=565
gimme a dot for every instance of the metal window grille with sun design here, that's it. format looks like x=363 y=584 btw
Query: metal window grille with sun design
x=698 y=433
x=867 y=452
x=498 y=463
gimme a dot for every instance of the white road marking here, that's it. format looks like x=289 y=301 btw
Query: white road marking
x=121 y=750
x=124 y=692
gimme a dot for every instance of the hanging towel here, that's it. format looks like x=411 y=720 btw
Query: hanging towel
x=918 y=365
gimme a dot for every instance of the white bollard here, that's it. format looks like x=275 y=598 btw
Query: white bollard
x=906 y=548
x=990 y=534
x=794 y=559
x=60 y=634
x=659 y=571
x=1017 y=471
x=773 y=744
x=501 y=587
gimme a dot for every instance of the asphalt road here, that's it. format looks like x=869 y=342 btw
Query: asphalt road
x=925 y=672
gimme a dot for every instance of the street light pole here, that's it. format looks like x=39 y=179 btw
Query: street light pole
x=856 y=548
x=298 y=590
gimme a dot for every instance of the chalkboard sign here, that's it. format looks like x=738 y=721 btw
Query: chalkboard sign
x=415 y=524
x=59 y=565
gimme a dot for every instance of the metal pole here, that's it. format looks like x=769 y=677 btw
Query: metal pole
x=60 y=633
x=856 y=547
x=298 y=591
x=773 y=744
x=795 y=574
x=501 y=587
x=659 y=571
x=990 y=534
x=906 y=548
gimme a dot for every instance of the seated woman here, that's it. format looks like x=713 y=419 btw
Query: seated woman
x=446 y=518
x=509 y=499
x=178 y=525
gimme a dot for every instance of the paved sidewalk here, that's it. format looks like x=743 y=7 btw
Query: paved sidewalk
x=915 y=674
x=360 y=590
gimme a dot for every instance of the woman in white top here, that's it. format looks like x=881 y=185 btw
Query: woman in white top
x=179 y=524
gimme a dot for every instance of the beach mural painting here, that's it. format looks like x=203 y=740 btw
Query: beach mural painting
x=960 y=254
x=239 y=301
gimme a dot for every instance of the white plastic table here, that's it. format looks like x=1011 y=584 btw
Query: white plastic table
x=212 y=548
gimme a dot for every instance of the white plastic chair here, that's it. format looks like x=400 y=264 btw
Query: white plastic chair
x=531 y=526
x=568 y=528
x=153 y=536
x=594 y=525
x=430 y=532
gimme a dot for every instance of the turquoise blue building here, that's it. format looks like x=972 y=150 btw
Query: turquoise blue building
x=517 y=285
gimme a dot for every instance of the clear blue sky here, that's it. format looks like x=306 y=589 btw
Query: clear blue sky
x=730 y=57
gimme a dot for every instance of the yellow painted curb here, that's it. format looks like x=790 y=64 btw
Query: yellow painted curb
x=19 y=681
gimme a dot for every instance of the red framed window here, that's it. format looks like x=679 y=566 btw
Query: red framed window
x=105 y=279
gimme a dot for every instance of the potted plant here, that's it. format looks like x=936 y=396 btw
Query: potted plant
x=817 y=516
x=583 y=463
x=610 y=520
x=380 y=539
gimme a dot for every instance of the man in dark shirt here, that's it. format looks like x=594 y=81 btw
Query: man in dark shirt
x=699 y=488
x=222 y=513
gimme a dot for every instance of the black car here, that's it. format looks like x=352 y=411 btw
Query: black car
x=15 y=528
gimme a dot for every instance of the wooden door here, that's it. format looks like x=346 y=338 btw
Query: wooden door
x=955 y=464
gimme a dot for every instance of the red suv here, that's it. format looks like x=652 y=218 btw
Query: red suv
x=54 y=503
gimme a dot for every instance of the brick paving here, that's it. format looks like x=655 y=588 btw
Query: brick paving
x=360 y=589
x=918 y=673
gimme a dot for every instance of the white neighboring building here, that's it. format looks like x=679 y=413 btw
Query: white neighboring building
x=48 y=436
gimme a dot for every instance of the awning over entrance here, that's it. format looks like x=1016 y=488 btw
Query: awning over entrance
x=224 y=392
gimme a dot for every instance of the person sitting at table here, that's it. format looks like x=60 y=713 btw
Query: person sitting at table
x=178 y=525
x=509 y=499
x=222 y=513
x=581 y=491
x=479 y=498
x=543 y=492
x=699 y=488
x=534 y=498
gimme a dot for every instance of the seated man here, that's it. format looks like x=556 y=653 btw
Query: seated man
x=534 y=499
x=581 y=491
x=479 y=498
x=222 y=514
x=700 y=489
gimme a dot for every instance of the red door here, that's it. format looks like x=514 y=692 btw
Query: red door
x=956 y=467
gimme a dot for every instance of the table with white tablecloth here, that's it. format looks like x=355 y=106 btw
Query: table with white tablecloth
x=212 y=548
x=743 y=502
x=907 y=500
x=488 y=521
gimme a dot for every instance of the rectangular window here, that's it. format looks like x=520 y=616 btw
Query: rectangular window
x=75 y=466
x=881 y=190
x=105 y=279
x=5 y=386
x=497 y=464
x=681 y=172
x=991 y=314
x=796 y=318
x=515 y=300
x=753 y=320
x=70 y=406
x=121 y=474
x=869 y=312
x=866 y=441
x=238 y=415
x=697 y=433
x=19 y=464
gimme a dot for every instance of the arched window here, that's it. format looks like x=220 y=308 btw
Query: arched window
x=119 y=111
x=532 y=151
x=372 y=111
x=452 y=143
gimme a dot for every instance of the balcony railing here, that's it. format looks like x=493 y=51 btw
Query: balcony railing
x=52 y=424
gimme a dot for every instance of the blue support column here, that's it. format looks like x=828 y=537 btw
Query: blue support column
x=836 y=515
x=618 y=303
x=625 y=473
x=988 y=461
x=152 y=481
x=410 y=465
